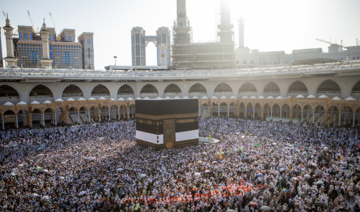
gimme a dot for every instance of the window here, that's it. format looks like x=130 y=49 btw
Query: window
x=73 y=38
x=88 y=42
x=25 y=36
x=65 y=37
x=30 y=36
x=53 y=37
x=69 y=38
x=20 y=35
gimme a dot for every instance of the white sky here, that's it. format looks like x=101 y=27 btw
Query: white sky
x=276 y=25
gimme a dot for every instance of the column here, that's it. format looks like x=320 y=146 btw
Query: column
x=16 y=121
x=78 y=116
x=10 y=59
x=3 y=122
x=228 y=110
x=128 y=114
x=109 y=113
x=280 y=113
x=353 y=120
x=271 y=113
x=29 y=119
x=254 y=113
x=238 y=110
x=119 y=114
x=302 y=114
x=345 y=114
x=218 y=110
x=43 y=118
x=339 y=118
x=55 y=119
x=245 y=112
x=209 y=110
x=262 y=113
x=291 y=114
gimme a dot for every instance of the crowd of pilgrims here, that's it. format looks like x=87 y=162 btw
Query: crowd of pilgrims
x=267 y=166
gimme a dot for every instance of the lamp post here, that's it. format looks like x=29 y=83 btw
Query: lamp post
x=115 y=59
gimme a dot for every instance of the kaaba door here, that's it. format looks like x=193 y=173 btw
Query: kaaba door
x=169 y=132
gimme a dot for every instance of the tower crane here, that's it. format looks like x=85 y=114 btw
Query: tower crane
x=329 y=42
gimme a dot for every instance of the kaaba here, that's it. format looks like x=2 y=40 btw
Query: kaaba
x=167 y=123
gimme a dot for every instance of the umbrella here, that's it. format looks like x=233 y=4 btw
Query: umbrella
x=38 y=167
x=81 y=193
x=164 y=156
x=294 y=178
x=282 y=169
x=40 y=155
x=304 y=153
x=45 y=198
x=207 y=171
x=197 y=174
x=63 y=162
x=274 y=144
x=61 y=178
x=88 y=149
x=143 y=175
x=119 y=169
x=307 y=175
x=265 y=208
x=214 y=162
x=21 y=165
x=204 y=153
x=34 y=195
x=259 y=175
x=199 y=161
x=12 y=174
x=319 y=183
x=285 y=190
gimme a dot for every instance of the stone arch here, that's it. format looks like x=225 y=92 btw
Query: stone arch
x=100 y=90
x=355 y=91
x=72 y=91
x=172 y=90
x=346 y=116
x=41 y=93
x=125 y=91
x=223 y=89
x=267 y=111
x=132 y=111
x=198 y=90
x=123 y=111
x=276 y=110
x=149 y=91
x=247 y=89
x=297 y=88
x=9 y=119
x=8 y=94
x=94 y=113
x=271 y=89
x=330 y=88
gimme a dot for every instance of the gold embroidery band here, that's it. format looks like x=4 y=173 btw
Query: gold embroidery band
x=182 y=121
x=169 y=116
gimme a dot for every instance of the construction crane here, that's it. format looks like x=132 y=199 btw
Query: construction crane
x=31 y=20
x=4 y=14
x=329 y=42
x=57 y=38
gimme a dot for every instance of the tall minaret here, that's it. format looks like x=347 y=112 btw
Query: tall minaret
x=241 y=32
x=225 y=27
x=10 y=59
x=44 y=34
x=182 y=25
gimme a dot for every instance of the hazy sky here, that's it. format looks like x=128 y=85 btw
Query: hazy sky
x=276 y=25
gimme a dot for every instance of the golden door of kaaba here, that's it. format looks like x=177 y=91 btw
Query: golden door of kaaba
x=169 y=132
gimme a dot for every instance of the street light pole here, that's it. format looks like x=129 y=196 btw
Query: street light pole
x=115 y=59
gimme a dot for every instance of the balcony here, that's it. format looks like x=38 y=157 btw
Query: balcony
x=220 y=94
x=173 y=94
x=12 y=99
x=125 y=96
x=41 y=98
x=198 y=94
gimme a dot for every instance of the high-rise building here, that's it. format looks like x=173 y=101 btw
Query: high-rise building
x=186 y=54
x=86 y=40
x=163 y=46
x=138 y=46
x=1 y=56
x=63 y=50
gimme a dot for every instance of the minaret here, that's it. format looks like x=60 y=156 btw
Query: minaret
x=182 y=25
x=44 y=34
x=225 y=27
x=241 y=32
x=10 y=59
